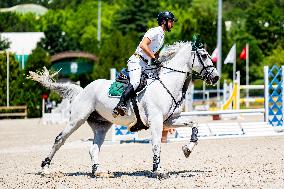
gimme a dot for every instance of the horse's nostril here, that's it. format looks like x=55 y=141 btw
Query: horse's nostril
x=215 y=79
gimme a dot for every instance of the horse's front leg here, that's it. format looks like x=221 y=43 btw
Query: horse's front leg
x=156 y=124
x=187 y=149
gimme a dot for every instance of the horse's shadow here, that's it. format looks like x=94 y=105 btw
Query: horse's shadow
x=149 y=174
x=62 y=174
x=143 y=173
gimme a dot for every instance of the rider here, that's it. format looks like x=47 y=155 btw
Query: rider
x=146 y=54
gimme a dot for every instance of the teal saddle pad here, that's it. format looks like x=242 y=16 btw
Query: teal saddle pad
x=116 y=89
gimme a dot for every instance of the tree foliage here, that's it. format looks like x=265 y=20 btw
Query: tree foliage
x=18 y=23
x=14 y=80
x=134 y=16
x=56 y=40
x=265 y=21
x=11 y=3
x=120 y=47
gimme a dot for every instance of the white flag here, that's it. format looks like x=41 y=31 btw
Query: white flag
x=231 y=57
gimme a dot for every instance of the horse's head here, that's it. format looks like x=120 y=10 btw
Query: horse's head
x=202 y=63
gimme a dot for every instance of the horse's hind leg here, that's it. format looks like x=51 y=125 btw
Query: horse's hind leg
x=100 y=126
x=78 y=115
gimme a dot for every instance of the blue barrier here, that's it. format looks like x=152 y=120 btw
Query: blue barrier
x=274 y=90
x=120 y=132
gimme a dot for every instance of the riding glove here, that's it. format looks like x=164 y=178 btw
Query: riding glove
x=155 y=61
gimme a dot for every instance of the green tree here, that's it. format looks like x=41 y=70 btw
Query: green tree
x=15 y=82
x=265 y=21
x=62 y=4
x=204 y=24
x=81 y=23
x=258 y=23
x=134 y=16
x=276 y=57
x=17 y=22
x=11 y=3
x=56 y=40
x=114 y=53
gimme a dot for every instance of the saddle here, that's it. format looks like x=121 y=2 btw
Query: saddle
x=117 y=88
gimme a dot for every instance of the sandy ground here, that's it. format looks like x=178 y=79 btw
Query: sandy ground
x=220 y=163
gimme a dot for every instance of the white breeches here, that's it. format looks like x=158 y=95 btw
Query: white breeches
x=135 y=67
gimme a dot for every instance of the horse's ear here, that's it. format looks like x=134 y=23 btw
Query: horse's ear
x=195 y=38
x=196 y=41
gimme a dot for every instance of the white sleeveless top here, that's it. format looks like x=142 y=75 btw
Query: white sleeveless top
x=156 y=36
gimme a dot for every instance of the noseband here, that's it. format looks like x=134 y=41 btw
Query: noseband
x=204 y=68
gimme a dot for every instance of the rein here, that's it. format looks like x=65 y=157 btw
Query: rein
x=184 y=89
x=186 y=82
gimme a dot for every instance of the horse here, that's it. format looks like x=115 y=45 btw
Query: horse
x=157 y=103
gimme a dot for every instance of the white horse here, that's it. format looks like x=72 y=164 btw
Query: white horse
x=156 y=103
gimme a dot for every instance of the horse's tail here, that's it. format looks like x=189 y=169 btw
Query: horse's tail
x=65 y=90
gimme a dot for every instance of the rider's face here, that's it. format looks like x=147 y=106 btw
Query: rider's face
x=170 y=24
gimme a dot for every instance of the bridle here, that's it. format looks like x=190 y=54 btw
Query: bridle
x=188 y=78
x=204 y=68
x=196 y=52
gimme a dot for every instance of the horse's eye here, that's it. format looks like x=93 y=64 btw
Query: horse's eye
x=204 y=56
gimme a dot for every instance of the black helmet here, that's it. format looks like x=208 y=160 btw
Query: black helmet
x=165 y=15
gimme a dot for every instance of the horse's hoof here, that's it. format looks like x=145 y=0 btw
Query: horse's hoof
x=187 y=149
x=45 y=162
x=102 y=174
x=45 y=171
x=160 y=174
x=97 y=172
x=45 y=166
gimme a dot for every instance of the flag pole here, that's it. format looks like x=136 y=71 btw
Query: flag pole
x=234 y=71
x=247 y=74
x=23 y=60
x=219 y=46
x=8 y=72
x=234 y=64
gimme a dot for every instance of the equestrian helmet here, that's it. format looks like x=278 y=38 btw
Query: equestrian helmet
x=165 y=16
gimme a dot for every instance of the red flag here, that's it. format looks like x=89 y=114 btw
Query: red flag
x=214 y=55
x=243 y=54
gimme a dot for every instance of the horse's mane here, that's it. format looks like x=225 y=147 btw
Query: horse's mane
x=170 y=50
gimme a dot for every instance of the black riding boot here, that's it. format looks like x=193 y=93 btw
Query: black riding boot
x=121 y=108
